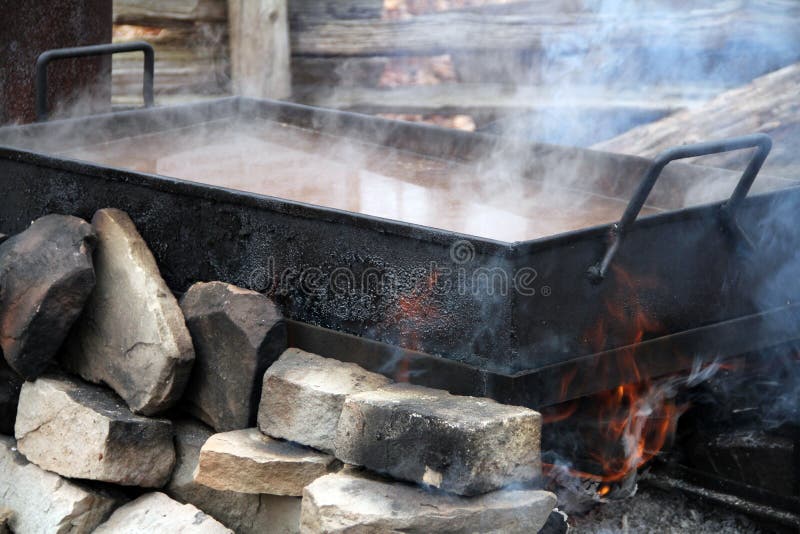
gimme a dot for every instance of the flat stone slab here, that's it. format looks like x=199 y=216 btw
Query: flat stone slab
x=157 y=513
x=46 y=276
x=244 y=513
x=237 y=334
x=41 y=501
x=132 y=335
x=465 y=445
x=303 y=396
x=80 y=430
x=349 y=503
x=247 y=461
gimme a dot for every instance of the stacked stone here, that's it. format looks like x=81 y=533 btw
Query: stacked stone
x=96 y=351
x=472 y=462
x=241 y=511
x=86 y=299
x=276 y=468
x=108 y=378
x=226 y=467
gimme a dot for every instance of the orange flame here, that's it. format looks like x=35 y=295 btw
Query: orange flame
x=558 y=413
x=634 y=420
x=640 y=418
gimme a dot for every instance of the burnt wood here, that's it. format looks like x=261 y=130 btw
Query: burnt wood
x=166 y=12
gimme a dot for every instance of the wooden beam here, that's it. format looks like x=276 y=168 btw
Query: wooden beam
x=337 y=9
x=259 y=44
x=470 y=98
x=166 y=12
x=188 y=59
x=312 y=73
x=769 y=104
x=531 y=7
x=132 y=101
x=523 y=67
x=769 y=25
x=175 y=72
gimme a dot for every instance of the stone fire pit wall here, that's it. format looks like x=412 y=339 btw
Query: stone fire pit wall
x=194 y=415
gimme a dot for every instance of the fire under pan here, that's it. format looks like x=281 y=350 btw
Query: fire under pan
x=501 y=274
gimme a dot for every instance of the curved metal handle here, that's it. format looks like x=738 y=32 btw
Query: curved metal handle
x=763 y=144
x=94 y=50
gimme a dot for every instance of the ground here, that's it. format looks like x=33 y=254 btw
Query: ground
x=653 y=510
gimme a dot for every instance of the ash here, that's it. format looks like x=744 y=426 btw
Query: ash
x=654 y=510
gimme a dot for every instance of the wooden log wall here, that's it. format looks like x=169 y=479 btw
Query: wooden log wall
x=190 y=38
x=470 y=30
x=493 y=60
x=518 y=57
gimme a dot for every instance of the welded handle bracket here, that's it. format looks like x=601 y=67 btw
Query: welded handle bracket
x=761 y=142
x=45 y=58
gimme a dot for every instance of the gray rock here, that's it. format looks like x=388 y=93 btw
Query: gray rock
x=10 y=384
x=242 y=512
x=46 y=275
x=465 y=445
x=303 y=396
x=247 y=461
x=41 y=501
x=79 y=430
x=237 y=334
x=157 y=513
x=344 y=502
x=283 y=514
x=132 y=335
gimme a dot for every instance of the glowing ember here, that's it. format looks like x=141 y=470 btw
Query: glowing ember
x=413 y=310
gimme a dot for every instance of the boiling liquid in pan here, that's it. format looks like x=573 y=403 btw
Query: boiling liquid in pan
x=291 y=163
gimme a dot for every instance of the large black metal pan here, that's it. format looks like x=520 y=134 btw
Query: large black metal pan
x=689 y=282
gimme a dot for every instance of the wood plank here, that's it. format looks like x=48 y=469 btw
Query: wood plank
x=700 y=30
x=185 y=36
x=314 y=72
x=465 y=98
x=166 y=12
x=769 y=104
x=122 y=102
x=582 y=117
x=533 y=7
x=190 y=57
x=259 y=40
x=202 y=76
x=336 y=9
x=491 y=66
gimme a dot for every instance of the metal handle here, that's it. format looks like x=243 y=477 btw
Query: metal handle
x=763 y=144
x=94 y=50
